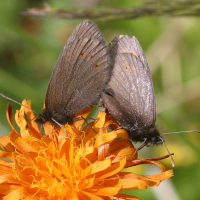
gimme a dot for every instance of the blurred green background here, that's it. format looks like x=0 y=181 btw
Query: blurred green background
x=29 y=48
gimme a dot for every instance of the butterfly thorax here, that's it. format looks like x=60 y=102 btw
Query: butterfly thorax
x=150 y=134
x=60 y=117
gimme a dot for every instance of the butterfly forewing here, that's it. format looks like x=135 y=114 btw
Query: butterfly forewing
x=131 y=84
x=82 y=70
x=86 y=29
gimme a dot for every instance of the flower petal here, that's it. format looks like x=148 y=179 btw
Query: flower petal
x=111 y=188
x=98 y=167
x=30 y=114
x=33 y=132
x=162 y=176
x=19 y=143
x=99 y=122
x=88 y=195
x=5 y=144
x=48 y=128
x=105 y=138
x=121 y=144
x=7 y=155
x=5 y=167
x=146 y=161
x=9 y=115
x=20 y=193
x=128 y=153
x=124 y=197
x=113 y=169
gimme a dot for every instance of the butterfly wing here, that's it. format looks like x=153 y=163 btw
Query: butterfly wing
x=80 y=73
x=129 y=96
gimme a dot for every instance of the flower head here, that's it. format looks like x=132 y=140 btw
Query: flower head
x=86 y=164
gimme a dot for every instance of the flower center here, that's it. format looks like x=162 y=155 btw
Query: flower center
x=53 y=172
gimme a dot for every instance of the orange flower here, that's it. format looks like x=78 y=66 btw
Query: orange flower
x=83 y=165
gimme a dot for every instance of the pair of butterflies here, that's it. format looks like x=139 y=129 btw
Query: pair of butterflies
x=87 y=70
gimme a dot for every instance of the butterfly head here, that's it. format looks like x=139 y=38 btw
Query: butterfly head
x=150 y=135
x=60 y=117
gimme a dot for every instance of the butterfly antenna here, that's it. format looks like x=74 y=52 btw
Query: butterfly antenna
x=172 y=160
x=40 y=124
x=140 y=147
x=59 y=125
x=4 y=96
x=196 y=131
x=29 y=122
